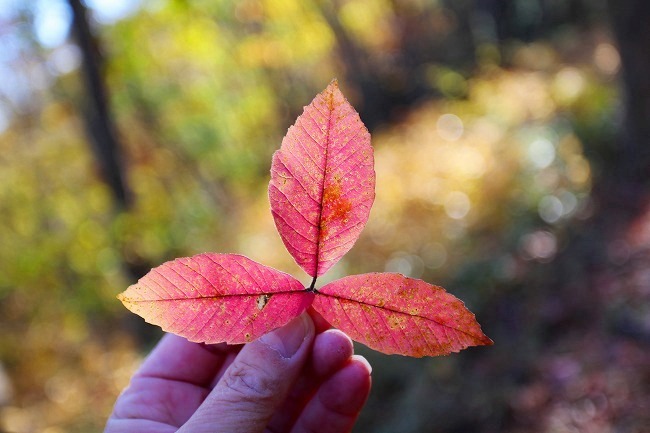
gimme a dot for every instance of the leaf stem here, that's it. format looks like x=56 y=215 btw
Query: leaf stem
x=312 y=286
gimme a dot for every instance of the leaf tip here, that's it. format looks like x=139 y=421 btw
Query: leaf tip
x=126 y=301
x=485 y=341
x=126 y=297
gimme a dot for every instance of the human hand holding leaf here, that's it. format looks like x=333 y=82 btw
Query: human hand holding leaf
x=321 y=191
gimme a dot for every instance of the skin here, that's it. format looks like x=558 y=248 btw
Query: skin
x=298 y=378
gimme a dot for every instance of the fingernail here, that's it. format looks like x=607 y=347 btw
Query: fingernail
x=288 y=339
x=363 y=361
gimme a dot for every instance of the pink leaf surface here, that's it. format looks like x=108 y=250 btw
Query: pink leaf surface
x=216 y=298
x=323 y=182
x=395 y=314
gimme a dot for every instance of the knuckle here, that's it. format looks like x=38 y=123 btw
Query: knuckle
x=249 y=382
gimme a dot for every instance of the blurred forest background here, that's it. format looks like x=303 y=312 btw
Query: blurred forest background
x=512 y=143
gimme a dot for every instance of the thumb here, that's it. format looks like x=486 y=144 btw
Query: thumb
x=257 y=382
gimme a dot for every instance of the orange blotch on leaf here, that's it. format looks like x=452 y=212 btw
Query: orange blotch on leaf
x=336 y=208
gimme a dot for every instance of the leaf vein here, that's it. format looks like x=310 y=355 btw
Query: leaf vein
x=293 y=176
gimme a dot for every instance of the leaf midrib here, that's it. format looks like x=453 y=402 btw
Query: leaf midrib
x=225 y=295
x=330 y=106
x=400 y=312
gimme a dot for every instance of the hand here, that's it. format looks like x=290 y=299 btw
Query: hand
x=289 y=380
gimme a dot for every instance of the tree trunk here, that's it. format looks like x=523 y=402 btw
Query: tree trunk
x=96 y=112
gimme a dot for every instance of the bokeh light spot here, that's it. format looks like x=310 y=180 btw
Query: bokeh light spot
x=457 y=205
x=398 y=263
x=109 y=11
x=52 y=22
x=569 y=84
x=550 y=209
x=406 y=264
x=449 y=127
x=607 y=59
x=541 y=153
x=64 y=59
x=540 y=245
x=569 y=202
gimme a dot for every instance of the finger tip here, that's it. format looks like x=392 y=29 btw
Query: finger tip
x=362 y=363
x=339 y=399
x=354 y=378
x=332 y=349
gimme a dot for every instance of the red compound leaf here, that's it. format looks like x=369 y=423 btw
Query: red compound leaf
x=321 y=191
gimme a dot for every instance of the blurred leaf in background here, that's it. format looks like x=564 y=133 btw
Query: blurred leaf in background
x=499 y=176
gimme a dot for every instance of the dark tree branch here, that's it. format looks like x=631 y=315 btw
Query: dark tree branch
x=99 y=123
